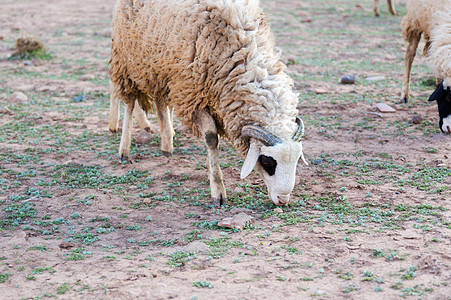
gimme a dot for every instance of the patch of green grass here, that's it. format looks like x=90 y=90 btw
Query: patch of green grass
x=180 y=258
x=62 y=289
x=202 y=284
x=4 y=277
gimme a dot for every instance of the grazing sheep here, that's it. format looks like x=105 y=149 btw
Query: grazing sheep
x=421 y=19
x=214 y=62
x=439 y=56
x=391 y=8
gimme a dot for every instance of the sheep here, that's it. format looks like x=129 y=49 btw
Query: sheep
x=440 y=58
x=391 y=8
x=214 y=62
x=421 y=19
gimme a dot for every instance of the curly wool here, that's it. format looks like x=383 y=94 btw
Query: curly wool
x=196 y=54
x=421 y=17
x=440 y=49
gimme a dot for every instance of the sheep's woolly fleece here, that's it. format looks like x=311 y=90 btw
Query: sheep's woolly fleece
x=440 y=50
x=421 y=17
x=194 y=54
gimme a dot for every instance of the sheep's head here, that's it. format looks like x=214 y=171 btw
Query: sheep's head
x=275 y=159
x=443 y=97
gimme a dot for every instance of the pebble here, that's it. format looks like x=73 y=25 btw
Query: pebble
x=18 y=97
x=385 y=108
x=143 y=137
x=320 y=91
x=80 y=98
x=3 y=96
x=416 y=119
x=237 y=222
x=28 y=63
x=348 y=79
x=375 y=78
x=87 y=77
x=278 y=210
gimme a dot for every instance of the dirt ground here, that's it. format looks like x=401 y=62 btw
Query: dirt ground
x=369 y=217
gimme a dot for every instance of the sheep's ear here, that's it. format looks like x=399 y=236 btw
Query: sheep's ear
x=251 y=160
x=439 y=93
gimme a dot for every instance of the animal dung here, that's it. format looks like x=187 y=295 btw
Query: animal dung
x=385 y=108
x=144 y=137
x=28 y=45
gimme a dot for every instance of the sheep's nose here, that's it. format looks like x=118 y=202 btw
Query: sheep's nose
x=283 y=199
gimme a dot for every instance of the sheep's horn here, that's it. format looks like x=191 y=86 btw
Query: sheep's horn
x=297 y=137
x=261 y=134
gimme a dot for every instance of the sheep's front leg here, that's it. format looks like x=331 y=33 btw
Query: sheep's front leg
x=166 y=129
x=411 y=51
x=124 y=148
x=210 y=134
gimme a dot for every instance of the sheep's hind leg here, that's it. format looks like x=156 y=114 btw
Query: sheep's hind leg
x=141 y=117
x=113 y=117
x=411 y=51
x=210 y=133
x=391 y=8
x=166 y=129
x=124 y=148
x=376 y=8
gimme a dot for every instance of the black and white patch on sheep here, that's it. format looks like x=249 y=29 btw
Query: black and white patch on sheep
x=443 y=97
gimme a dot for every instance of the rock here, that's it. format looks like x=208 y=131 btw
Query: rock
x=359 y=6
x=5 y=110
x=278 y=210
x=196 y=246
x=144 y=137
x=28 y=63
x=307 y=20
x=348 y=79
x=66 y=245
x=18 y=97
x=375 y=78
x=3 y=96
x=385 y=108
x=87 y=77
x=416 y=119
x=237 y=222
x=79 y=98
x=2 y=37
x=321 y=91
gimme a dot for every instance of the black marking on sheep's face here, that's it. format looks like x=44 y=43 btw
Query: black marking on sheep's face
x=268 y=163
x=443 y=98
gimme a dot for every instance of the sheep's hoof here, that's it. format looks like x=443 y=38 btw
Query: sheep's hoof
x=113 y=130
x=404 y=100
x=147 y=129
x=220 y=201
x=166 y=153
x=124 y=158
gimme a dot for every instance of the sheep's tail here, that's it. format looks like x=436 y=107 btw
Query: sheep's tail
x=440 y=49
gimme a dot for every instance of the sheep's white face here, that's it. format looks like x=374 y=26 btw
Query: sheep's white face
x=277 y=165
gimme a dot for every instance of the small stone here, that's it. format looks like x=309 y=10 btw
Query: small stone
x=385 y=108
x=79 y=98
x=5 y=110
x=3 y=96
x=348 y=79
x=359 y=6
x=237 y=222
x=375 y=78
x=416 y=119
x=18 y=97
x=278 y=210
x=2 y=37
x=28 y=63
x=66 y=245
x=87 y=77
x=321 y=91
x=307 y=20
x=144 y=137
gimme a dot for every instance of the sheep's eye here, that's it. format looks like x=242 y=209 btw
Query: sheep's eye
x=268 y=163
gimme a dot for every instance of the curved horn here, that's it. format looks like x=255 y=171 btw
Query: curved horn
x=261 y=134
x=297 y=137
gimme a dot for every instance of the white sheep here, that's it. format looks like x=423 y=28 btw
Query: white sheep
x=421 y=19
x=432 y=19
x=439 y=56
x=391 y=8
x=214 y=62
